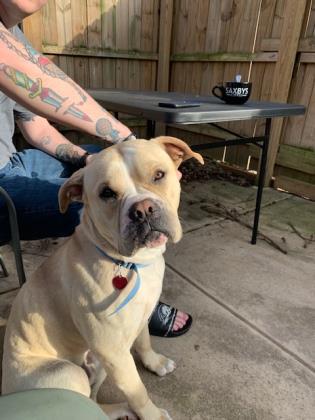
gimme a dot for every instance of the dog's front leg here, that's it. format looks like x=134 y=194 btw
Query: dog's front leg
x=121 y=367
x=153 y=361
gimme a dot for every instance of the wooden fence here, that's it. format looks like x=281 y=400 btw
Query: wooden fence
x=189 y=46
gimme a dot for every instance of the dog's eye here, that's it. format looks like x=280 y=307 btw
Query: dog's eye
x=159 y=175
x=107 y=193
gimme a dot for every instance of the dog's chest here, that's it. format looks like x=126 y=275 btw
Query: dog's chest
x=131 y=307
x=147 y=280
x=139 y=282
x=151 y=278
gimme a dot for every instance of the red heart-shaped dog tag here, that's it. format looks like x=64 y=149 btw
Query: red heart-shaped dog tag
x=120 y=282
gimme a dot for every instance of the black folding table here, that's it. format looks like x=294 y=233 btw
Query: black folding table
x=210 y=111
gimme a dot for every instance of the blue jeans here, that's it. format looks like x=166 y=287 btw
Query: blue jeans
x=32 y=178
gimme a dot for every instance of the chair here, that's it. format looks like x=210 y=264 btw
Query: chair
x=15 y=239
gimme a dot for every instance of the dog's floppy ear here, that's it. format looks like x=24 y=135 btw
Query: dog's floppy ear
x=177 y=149
x=71 y=190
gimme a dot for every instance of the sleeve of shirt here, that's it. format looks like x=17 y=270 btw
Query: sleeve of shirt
x=16 y=31
x=21 y=113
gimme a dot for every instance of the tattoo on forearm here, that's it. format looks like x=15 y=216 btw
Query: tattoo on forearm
x=45 y=140
x=104 y=129
x=48 y=67
x=76 y=112
x=103 y=126
x=46 y=95
x=67 y=153
x=34 y=88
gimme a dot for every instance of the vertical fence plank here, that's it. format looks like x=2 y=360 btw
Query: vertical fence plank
x=122 y=42
x=134 y=42
x=181 y=12
x=94 y=40
x=108 y=27
x=49 y=24
x=309 y=22
x=301 y=92
x=65 y=35
x=266 y=20
x=81 y=70
x=290 y=34
x=166 y=22
x=64 y=23
x=77 y=66
x=307 y=137
x=32 y=27
x=66 y=64
x=108 y=19
x=79 y=23
x=122 y=25
x=94 y=22
x=278 y=19
x=214 y=27
x=149 y=30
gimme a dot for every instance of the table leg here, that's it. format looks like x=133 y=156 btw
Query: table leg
x=150 y=129
x=261 y=179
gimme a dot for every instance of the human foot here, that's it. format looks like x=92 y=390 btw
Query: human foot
x=167 y=321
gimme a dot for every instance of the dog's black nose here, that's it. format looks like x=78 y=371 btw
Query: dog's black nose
x=142 y=210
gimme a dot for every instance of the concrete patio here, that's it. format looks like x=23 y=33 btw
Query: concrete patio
x=250 y=353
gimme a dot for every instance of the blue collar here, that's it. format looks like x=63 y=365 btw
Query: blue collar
x=130 y=266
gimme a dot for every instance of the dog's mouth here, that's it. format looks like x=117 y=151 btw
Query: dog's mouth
x=155 y=239
x=144 y=235
x=153 y=230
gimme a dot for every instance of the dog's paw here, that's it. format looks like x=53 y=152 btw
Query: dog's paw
x=119 y=411
x=165 y=366
x=165 y=415
x=131 y=416
x=158 y=364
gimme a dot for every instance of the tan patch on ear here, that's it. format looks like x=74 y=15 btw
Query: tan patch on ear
x=177 y=149
x=71 y=190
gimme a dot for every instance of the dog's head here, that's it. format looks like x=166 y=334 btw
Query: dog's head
x=131 y=193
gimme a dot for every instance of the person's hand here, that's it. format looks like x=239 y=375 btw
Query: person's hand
x=179 y=175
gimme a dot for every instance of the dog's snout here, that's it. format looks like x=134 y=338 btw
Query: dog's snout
x=142 y=210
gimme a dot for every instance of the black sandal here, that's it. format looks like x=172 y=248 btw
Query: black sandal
x=162 y=321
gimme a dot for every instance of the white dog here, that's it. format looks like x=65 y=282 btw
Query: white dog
x=98 y=290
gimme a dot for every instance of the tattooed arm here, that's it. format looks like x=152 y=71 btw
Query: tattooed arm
x=42 y=135
x=35 y=82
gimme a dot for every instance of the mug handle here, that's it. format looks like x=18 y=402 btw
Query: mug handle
x=220 y=89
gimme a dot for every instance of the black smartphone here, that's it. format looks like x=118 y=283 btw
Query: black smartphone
x=179 y=104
